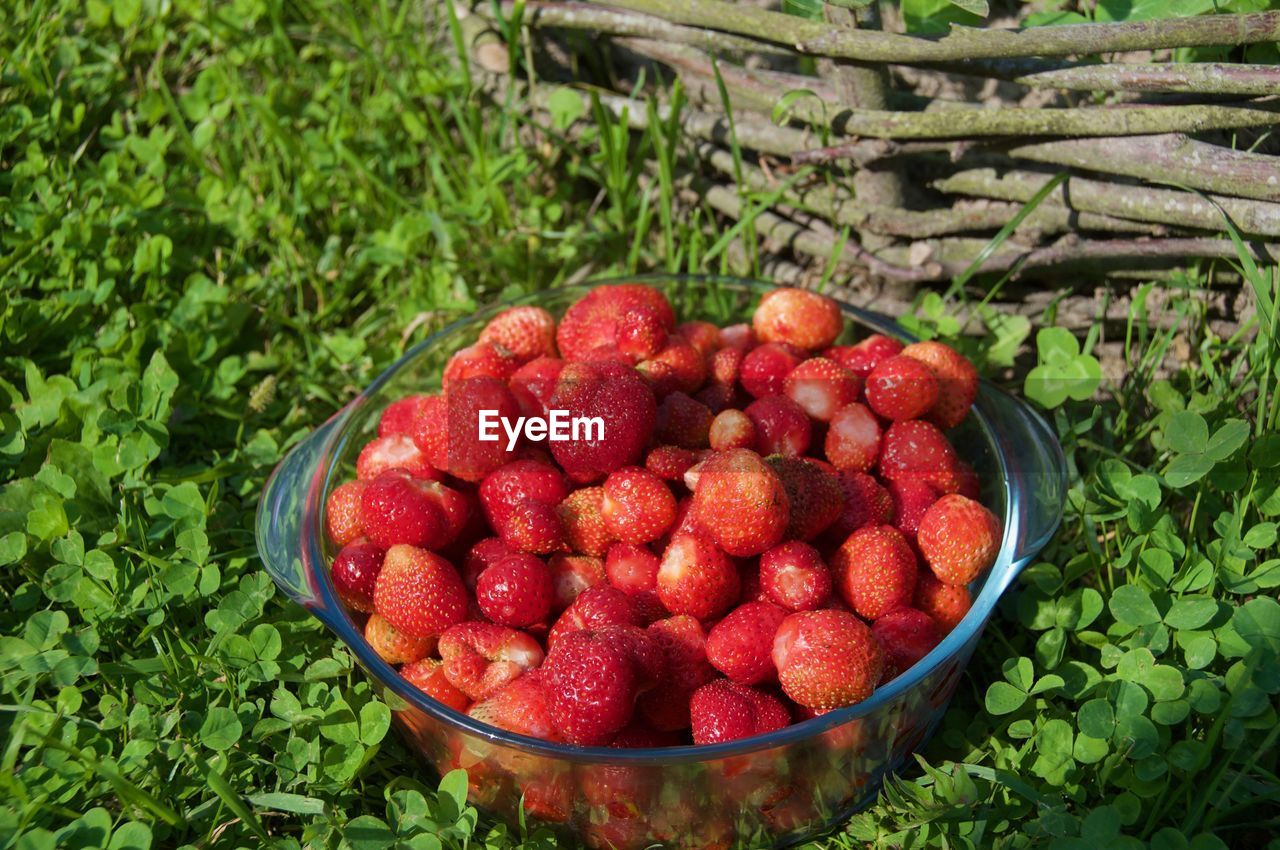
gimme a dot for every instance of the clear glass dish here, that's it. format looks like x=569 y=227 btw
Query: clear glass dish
x=771 y=789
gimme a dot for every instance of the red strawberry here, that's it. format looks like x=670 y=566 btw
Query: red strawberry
x=866 y=355
x=547 y=795
x=821 y=387
x=355 y=570
x=813 y=492
x=915 y=449
x=640 y=335
x=945 y=603
x=683 y=642
x=633 y=569
x=741 y=645
x=648 y=655
x=394 y=646
x=594 y=608
x=826 y=659
x=581 y=516
x=765 y=368
x=911 y=498
x=596 y=319
x=703 y=336
x=905 y=636
x=957 y=381
x=793 y=576
x=782 y=426
x=639 y=735
x=517 y=591
x=427 y=675
x=637 y=506
x=959 y=538
x=670 y=463
x=738 y=336
x=732 y=429
x=517 y=481
x=718 y=397
x=397 y=509
x=419 y=593
x=398 y=416
x=537 y=379
x=875 y=571
x=592 y=687
x=901 y=388
x=682 y=422
x=798 y=317
x=342 y=513
x=522 y=706
x=467 y=456
x=571 y=575
x=530 y=526
x=396 y=451
x=676 y=368
x=484 y=359
x=484 y=554
x=616 y=396
x=726 y=711
x=740 y=503
x=726 y=365
x=480 y=658
x=853 y=440
x=430 y=430
x=527 y=332
x=866 y=502
x=696 y=577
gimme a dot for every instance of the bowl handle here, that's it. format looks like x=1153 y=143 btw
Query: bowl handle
x=1036 y=476
x=283 y=541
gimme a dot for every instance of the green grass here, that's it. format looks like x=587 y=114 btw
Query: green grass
x=219 y=221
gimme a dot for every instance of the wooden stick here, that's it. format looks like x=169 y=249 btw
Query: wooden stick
x=1206 y=78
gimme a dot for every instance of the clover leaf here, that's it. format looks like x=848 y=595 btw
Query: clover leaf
x=1062 y=372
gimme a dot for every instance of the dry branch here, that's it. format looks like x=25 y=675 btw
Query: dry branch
x=1206 y=78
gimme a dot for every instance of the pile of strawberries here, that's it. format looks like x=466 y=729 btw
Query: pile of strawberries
x=771 y=526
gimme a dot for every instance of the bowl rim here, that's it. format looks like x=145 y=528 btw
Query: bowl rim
x=968 y=629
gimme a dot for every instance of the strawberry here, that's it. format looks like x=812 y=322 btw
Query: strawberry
x=866 y=355
x=670 y=463
x=582 y=517
x=741 y=644
x=726 y=711
x=945 y=603
x=395 y=508
x=594 y=321
x=796 y=316
x=637 y=506
x=678 y=367
x=641 y=335
x=531 y=526
x=394 y=646
x=911 y=498
x=534 y=382
x=782 y=426
x=821 y=387
x=639 y=735
x=739 y=336
x=905 y=636
x=342 y=513
x=623 y=403
x=813 y=492
x=484 y=554
x=396 y=451
x=521 y=706
x=419 y=592
x=481 y=658
x=467 y=456
x=354 y=572
x=703 y=336
x=695 y=577
x=517 y=591
x=875 y=571
x=517 y=481
x=594 y=608
x=826 y=659
x=957 y=381
x=398 y=416
x=901 y=388
x=765 y=368
x=740 y=503
x=430 y=430
x=718 y=397
x=732 y=429
x=959 y=538
x=854 y=438
x=427 y=675
x=571 y=575
x=915 y=449
x=648 y=656
x=592 y=687
x=682 y=422
x=484 y=359
x=633 y=569
x=683 y=643
x=526 y=332
x=793 y=576
x=726 y=365
x=547 y=795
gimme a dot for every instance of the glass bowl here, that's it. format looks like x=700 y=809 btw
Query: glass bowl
x=771 y=789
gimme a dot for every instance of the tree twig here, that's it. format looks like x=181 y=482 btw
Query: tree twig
x=1193 y=78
